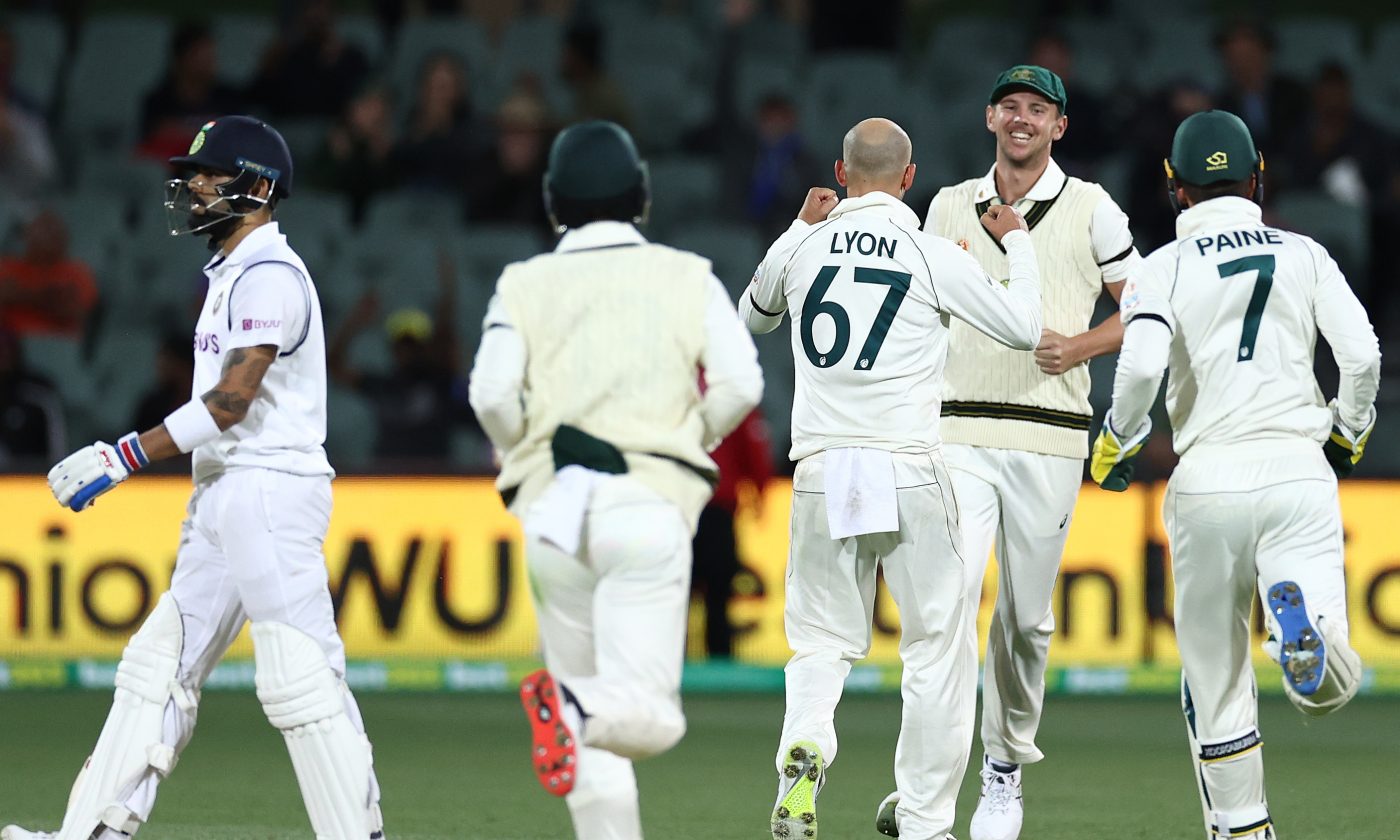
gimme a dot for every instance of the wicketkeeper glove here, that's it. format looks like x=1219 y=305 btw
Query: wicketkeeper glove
x=1111 y=464
x=1343 y=447
x=93 y=470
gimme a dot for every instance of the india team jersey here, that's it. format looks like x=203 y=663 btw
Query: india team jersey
x=262 y=294
x=1244 y=302
x=870 y=296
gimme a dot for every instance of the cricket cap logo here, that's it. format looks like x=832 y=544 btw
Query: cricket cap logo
x=198 y=142
x=1217 y=161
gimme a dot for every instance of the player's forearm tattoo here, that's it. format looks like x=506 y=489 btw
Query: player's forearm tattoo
x=243 y=372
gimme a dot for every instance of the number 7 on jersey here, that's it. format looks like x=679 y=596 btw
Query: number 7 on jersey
x=1263 y=284
x=813 y=305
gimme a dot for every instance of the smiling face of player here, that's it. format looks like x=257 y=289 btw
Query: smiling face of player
x=1025 y=124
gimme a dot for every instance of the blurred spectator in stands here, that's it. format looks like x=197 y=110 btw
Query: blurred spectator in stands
x=31 y=414
x=188 y=96
x=441 y=135
x=504 y=186
x=745 y=463
x=310 y=71
x=423 y=398
x=776 y=165
x=582 y=66
x=766 y=160
x=27 y=160
x=1087 y=141
x=1150 y=139
x=1341 y=153
x=43 y=290
x=1338 y=151
x=1271 y=105
x=174 y=369
x=357 y=158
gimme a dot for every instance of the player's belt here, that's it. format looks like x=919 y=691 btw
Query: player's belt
x=1026 y=413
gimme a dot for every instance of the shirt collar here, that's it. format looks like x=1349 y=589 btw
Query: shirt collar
x=595 y=235
x=1046 y=187
x=260 y=237
x=893 y=207
x=1225 y=212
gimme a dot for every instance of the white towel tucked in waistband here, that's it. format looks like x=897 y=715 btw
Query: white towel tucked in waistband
x=860 y=492
x=556 y=517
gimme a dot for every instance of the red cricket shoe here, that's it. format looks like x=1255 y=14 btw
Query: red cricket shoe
x=554 y=754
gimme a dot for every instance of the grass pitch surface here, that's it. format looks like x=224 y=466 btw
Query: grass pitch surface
x=456 y=767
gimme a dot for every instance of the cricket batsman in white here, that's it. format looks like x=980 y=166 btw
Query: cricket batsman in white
x=1232 y=309
x=587 y=383
x=251 y=544
x=871 y=297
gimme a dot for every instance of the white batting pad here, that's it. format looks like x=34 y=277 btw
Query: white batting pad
x=1341 y=676
x=131 y=738
x=304 y=698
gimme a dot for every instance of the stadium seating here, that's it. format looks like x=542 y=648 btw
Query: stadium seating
x=241 y=40
x=39 y=56
x=684 y=190
x=735 y=251
x=1184 y=50
x=102 y=107
x=1306 y=43
x=1343 y=228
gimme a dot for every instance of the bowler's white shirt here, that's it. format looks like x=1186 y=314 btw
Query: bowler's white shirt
x=869 y=355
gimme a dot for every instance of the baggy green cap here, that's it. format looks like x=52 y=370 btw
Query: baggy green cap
x=593 y=160
x=1213 y=146
x=1030 y=77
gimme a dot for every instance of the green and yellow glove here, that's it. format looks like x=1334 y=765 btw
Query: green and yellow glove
x=1344 y=447
x=1111 y=464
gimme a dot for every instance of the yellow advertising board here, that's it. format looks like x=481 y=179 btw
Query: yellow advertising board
x=432 y=569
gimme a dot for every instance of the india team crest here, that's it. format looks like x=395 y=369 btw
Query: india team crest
x=198 y=142
x=218 y=301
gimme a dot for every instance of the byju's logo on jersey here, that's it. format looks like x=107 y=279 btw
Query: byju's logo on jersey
x=259 y=324
x=206 y=343
x=1217 y=161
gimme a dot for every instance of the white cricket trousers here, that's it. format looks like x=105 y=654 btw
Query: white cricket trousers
x=1023 y=503
x=612 y=627
x=250 y=549
x=1238 y=524
x=828 y=614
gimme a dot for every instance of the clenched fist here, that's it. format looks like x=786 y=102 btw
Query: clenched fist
x=819 y=204
x=1057 y=353
x=1001 y=219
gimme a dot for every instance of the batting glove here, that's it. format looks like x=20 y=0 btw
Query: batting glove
x=1111 y=464
x=1343 y=447
x=93 y=470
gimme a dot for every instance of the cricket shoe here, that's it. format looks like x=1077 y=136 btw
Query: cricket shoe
x=555 y=753
x=885 y=821
x=803 y=775
x=999 y=812
x=1301 y=650
x=14 y=832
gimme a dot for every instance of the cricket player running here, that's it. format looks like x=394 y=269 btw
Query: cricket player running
x=587 y=383
x=871 y=296
x=1232 y=309
x=250 y=546
x=1016 y=424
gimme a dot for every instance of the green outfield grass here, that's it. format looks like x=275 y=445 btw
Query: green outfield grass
x=455 y=767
